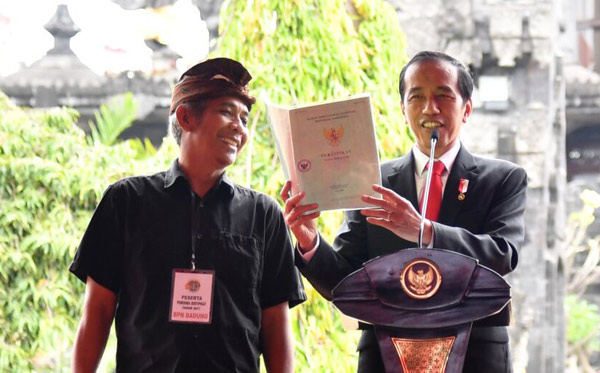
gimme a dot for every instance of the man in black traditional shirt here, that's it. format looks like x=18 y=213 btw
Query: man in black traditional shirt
x=196 y=271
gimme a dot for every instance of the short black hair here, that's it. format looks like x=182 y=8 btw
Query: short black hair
x=197 y=107
x=465 y=80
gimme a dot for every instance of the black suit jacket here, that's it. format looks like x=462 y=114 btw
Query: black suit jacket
x=486 y=225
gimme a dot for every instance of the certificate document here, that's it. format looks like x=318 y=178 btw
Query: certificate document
x=328 y=150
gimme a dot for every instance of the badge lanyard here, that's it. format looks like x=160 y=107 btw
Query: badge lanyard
x=192 y=229
x=192 y=289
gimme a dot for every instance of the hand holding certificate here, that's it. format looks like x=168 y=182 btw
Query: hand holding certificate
x=328 y=151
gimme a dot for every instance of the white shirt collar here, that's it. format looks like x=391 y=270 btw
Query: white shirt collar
x=447 y=158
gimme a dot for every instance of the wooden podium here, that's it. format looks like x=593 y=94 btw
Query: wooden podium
x=422 y=303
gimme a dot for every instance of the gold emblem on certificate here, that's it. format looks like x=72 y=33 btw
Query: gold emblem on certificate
x=191 y=296
x=420 y=279
x=333 y=135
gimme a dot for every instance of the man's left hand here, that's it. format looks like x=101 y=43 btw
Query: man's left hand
x=396 y=214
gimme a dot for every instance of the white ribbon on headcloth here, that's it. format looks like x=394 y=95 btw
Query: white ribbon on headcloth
x=219 y=76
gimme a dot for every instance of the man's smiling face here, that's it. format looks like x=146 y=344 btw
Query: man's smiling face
x=432 y=100
x=220 y=131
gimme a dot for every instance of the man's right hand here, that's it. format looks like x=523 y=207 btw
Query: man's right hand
x=302 y=224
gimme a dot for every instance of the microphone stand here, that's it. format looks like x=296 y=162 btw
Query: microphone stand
x=434 y=138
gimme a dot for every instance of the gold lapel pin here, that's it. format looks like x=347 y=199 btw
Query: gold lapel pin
x=463 y=186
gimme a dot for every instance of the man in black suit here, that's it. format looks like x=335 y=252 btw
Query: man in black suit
x=481 y=213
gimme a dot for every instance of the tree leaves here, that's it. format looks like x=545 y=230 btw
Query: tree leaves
x=113 y=119
x=307 y=51
x=51 y=179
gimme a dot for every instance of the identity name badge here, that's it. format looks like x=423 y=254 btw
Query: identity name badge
x=191 y=296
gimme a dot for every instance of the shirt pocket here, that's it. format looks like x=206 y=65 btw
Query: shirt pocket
x=239 y=260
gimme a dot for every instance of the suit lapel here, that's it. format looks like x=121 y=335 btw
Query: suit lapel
x=402 y=179
x=463 y=168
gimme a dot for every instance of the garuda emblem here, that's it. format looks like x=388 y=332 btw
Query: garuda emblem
x=420 y=282
x=333 y=135
x=421 y=279
x=304 y=165
x=192 y=286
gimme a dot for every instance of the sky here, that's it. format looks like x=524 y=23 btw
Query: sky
x=111 y=39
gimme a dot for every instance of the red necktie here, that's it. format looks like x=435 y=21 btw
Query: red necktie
x=435 y=192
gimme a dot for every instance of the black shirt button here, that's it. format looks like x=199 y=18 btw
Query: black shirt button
x=199 y=236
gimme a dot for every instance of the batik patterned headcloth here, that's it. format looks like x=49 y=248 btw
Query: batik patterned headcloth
x=213 y=78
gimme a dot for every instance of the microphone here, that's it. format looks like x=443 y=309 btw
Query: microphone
x=435 y=135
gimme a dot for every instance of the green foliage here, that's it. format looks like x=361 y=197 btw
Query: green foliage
x=306 y=51
x=51 y=179
x=322 y=345
x=583 y=323
x=583 y=332
x=113 y=119
x=309 y=51
x=581 y=261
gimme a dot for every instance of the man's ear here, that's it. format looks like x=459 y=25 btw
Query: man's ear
x=468 y=110
x=403 y=113
x=184 y=117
